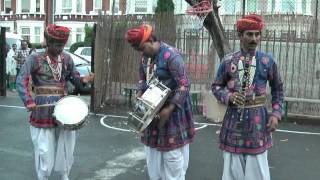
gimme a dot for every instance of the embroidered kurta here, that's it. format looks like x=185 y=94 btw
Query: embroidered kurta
x=254 y=138
x=37 y=67
x=179 y=130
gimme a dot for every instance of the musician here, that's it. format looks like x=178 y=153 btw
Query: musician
x=50 y=71
x=168 y=136
x=241 y=81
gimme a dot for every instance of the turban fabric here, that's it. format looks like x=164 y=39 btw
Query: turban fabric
x=58 y=34
x=138 y=36
x=250 y=22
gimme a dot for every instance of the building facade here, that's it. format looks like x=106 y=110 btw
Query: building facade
x=29 y=17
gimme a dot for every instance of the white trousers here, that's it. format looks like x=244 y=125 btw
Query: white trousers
x=245 y=167
x=169 y=165
x=53 y=149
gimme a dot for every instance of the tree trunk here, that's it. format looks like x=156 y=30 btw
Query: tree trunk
x=213 y=24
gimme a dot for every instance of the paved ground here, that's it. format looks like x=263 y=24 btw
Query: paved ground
x=108 y=154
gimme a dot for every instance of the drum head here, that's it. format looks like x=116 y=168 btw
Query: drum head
x=70 y=110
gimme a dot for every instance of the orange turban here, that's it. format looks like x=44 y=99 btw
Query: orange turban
x=138 y=36
x=250 y=22
x=58 y=34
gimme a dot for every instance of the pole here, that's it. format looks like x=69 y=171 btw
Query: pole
x=53 y=10
x=94 y=32
x=3 y=54
x=243 y=7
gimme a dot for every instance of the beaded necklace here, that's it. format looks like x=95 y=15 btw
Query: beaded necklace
x=55 y=69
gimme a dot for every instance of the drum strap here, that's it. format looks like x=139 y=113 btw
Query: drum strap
x=151 y=68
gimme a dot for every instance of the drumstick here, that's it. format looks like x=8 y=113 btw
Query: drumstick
x=45 y=105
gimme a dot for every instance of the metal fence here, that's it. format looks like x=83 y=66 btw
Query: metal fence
x=291 y=38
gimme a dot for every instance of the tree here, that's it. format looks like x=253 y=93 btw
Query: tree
x=164 y=6
x=88 y=34
x=213 y=24
x=165 y=21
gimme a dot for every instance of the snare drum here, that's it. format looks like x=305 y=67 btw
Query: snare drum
x=70 y=112
x=148 y=105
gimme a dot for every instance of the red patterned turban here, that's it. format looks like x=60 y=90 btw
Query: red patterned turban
x=250 y=22
x=138 y=36
x=57 y=34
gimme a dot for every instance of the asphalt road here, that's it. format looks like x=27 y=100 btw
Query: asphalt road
x=105 y=153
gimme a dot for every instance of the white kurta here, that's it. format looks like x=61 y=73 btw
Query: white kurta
x=10 y=63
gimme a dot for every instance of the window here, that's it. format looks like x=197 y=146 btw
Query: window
x=116 y=6
x=67 y=6
x=229 y=6
x=288 y=6
x=97 y=5
x=79 y=6
x=25 y=33
x=7 y=29
x=273 y=5
x=141 y=6
x=304 y=7
x=69 y=42
x=252 y=6
x=7 y=6
x=79 y=34
x=86 y=52
x=25 y=6
x=37 y=32
x=37 y=6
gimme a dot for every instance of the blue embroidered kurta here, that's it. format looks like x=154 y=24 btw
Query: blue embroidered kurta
x=255 y=138
x=179 y=130
x=37 y=67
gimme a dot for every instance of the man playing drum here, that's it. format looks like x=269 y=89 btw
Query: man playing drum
x=241 y=84
x=167 y=137
x=50 y=71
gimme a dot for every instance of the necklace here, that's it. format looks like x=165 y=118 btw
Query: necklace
x=55 y=69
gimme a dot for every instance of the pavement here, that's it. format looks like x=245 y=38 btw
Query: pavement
x=105 y=150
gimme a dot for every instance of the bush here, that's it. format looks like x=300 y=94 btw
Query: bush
x=75 y=46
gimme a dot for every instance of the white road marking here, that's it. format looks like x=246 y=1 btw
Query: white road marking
x=120 y=165
x=102 y=122
x=111 y=127
x=204 y=124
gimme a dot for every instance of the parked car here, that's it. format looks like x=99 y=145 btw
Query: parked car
x=84 y=52
x=83 y=67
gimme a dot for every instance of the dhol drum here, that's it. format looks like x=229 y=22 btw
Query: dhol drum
x=70 y=112
x=212 y=109
x=148 y=105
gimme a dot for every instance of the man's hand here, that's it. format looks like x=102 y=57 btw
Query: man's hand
x=139 y=94
x=237 y=99
x=88 y=78
x=272 y=123
x=31 y=107
x=164 y=115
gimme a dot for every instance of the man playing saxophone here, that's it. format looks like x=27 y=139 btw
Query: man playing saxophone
x=241 y=84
